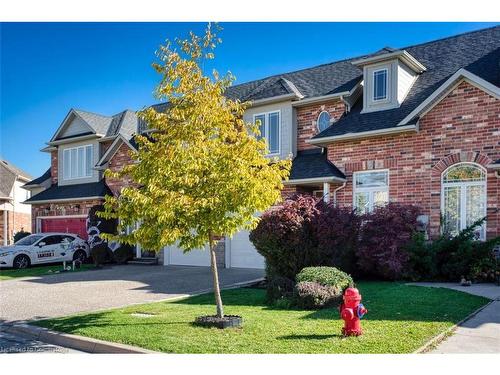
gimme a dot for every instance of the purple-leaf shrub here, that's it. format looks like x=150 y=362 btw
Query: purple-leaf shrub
x=384 y=235
x=337 y=232
x=284 y=236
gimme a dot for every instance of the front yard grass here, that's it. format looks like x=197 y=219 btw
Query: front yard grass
x=400 y=319
x=9 y=274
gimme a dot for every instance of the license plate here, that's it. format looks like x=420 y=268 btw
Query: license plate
x=46 y=254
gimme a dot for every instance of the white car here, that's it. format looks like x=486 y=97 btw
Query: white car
x=42 y=248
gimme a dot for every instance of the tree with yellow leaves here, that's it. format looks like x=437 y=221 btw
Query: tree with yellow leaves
x=202 y=172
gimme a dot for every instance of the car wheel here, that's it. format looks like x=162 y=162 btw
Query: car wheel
x=80 y=255
x=21 y=261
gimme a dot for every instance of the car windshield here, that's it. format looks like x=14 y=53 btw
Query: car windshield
x=29 y=240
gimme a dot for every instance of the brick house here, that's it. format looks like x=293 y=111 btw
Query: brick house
x=417 y=125
x=15 y=216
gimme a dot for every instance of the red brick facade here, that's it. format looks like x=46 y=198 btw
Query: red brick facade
x=464 y=126
x=54 y=166
x=16 y=221
x=307 y=118
x=116 y=163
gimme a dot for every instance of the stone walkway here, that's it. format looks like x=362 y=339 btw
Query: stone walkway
x=479 y=334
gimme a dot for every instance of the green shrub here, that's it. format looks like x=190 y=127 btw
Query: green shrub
x=21 y=234
x=327 y=276
x=278 y=287
x=312 y=295
x=422 y=259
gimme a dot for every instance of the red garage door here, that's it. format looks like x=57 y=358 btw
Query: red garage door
x=73 y=225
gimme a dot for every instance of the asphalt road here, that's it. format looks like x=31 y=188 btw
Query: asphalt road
x=14 y=343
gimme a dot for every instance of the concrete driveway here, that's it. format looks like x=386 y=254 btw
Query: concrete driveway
x=70 y=293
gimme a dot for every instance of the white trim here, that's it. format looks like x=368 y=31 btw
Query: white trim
x=38 y=224
x=323 y=98
x=102 y=160
x=266 y=115
x=65 y=200
x=370 y=133
x=314 y=180
x=273 y=99
x=403 y=55
x=463 y=192
x=369 y=190
x=74 y=139
x=443 y=90
x=493 y=166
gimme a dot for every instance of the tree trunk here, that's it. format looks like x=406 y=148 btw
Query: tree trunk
x=213 y=264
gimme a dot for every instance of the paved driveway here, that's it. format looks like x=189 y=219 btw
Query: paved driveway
x=70 y=293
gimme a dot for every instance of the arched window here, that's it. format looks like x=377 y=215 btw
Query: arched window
x=463 y=199
x=323 y=121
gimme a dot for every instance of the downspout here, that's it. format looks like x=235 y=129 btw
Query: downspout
x=5 y=227
x=335 y=193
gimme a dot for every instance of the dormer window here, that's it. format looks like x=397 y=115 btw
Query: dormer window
x=380 y=85
x=387 y=78
x=323 y=121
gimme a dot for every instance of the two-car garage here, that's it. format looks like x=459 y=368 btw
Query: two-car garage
x=239 y=253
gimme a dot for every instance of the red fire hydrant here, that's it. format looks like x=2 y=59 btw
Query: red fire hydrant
x=351 y=311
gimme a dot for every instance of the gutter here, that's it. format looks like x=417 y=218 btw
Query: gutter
x=371 y=133
x=314 y=180
x=63 y=200
x=273 y=99
x=75 y=139
x=320 y=99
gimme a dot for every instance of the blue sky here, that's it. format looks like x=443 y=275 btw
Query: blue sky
x=48 y=68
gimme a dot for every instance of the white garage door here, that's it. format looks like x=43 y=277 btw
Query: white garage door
x=242 y=253
x=196 y=257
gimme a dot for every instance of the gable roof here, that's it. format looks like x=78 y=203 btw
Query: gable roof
x=8 y=175
x=125 y=122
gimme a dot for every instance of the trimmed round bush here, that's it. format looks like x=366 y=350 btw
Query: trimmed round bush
x=123 y=254
x=328 y=276
x=309 y=295
x=319 y=287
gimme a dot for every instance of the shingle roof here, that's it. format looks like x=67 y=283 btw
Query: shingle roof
x=58 y=192
x=125 y=123
x=442 y=58
x=478 y=52
x=37 y=181
x=8 y=174
x=313 y=164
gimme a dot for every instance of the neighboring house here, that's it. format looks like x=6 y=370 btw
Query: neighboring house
x=414 y=125
x=15 y=216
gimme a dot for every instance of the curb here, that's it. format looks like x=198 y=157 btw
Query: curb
x=95 y=346
x=437 y=339
x=84 y=344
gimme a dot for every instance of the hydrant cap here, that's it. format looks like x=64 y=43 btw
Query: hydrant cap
x=352 y=294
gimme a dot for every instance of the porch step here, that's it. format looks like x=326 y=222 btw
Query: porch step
x=147 y=261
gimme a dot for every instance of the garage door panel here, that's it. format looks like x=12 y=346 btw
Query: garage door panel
x=74 y=225
x=243 y=253
x=195 y=257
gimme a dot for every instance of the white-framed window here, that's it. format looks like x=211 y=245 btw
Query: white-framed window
x=323 y=120
x=463 y=198
x=371 y=189
x=270 y=129
x=77 y=162
x=380 y=84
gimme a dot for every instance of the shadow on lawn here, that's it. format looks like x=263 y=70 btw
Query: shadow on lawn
x=310 y=337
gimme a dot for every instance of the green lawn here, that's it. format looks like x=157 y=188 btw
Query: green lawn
x=400 y=319
x=8 y=274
